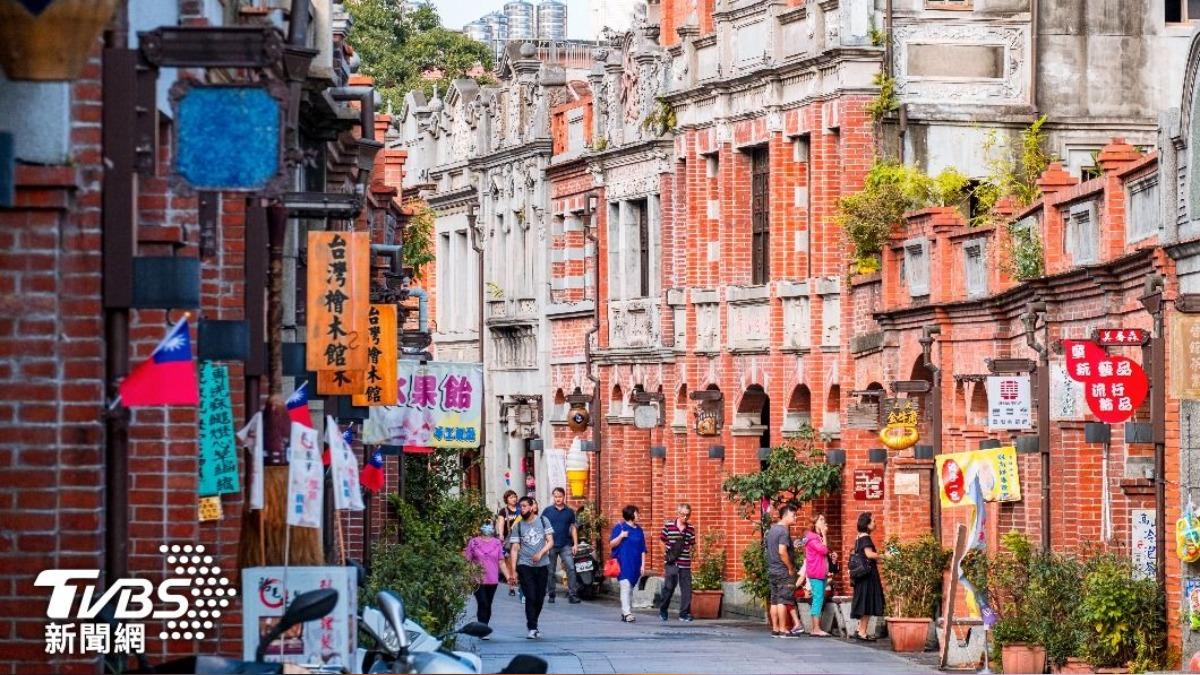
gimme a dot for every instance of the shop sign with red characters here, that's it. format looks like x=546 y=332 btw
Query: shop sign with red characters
x=1114 y=386
x=868 y=484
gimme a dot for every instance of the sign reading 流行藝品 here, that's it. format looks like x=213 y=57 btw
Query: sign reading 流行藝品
x=1009 y=402
x=1113 y=386
x=338 y=298
x=218 y=461
x=382 y=352
x=438 y=406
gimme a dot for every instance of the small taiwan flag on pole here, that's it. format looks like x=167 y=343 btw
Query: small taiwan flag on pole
x=371 y=476
x=297 y=406
x=168 y=377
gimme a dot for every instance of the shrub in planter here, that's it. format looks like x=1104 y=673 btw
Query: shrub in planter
x=1052 y=603
x=912 y=575
x=707 y=575
x=754 y=564
x=1121 y=617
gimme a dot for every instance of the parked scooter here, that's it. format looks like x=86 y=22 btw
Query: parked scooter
x=401 y=658
x=587 y=572
x=309 y=606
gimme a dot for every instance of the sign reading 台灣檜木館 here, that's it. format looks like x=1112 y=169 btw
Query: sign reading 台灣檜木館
x=338 y=294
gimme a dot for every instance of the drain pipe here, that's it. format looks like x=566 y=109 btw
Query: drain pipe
x=366 y=98
x=422 y=307
x=1030 y=319
x=477 y=245
x=589 y=212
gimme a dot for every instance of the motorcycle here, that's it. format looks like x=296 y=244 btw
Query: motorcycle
x=401 y=652
x=587 y=572
x=309 y=606
x=374 y=627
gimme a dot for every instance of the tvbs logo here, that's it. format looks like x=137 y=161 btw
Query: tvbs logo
x=188 y=603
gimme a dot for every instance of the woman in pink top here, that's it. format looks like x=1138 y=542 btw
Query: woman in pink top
x=487 y=551
x=816 y=567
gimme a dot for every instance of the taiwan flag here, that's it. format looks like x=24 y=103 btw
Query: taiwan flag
x=297 y=406
x=371 y=476
x=168 y=377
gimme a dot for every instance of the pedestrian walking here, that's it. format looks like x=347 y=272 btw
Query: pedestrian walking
x=816 y=569
x=679 y=538
x=628 y=544
x=566 y=543
x=781 y=573
x=505 y=517
x=867 y=600
x=532 y=538
x=487 y=551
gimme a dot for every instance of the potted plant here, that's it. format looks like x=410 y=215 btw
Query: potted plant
x=912 y=575
x=1052 y=602
x=1121 y=618
x=706 y=578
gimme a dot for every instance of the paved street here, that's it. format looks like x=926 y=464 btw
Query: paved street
x=589 y=638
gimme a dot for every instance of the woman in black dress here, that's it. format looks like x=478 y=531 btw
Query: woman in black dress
x=868 y=591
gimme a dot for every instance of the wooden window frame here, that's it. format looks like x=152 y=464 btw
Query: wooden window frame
x=760 y=215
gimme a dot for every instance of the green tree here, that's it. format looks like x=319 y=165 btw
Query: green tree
x=399 y=48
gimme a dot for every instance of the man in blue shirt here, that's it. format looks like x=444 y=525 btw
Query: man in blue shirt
x=566 y=542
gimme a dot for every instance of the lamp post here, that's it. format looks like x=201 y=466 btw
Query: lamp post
x=1157 y=351
x=477 y=245
x=935 y=413
x=1037 y=311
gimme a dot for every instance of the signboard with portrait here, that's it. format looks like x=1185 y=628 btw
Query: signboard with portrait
x=332 y=640
x=995 y=467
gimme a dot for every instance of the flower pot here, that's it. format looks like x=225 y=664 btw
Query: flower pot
x=54 y=43
x=1073 y=666
x=1019 y=657
x=706 y=604
x=1112 y=670
x=908 y=635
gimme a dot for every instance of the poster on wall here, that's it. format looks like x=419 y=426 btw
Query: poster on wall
x=1143 y=547
x=438 y=404
x=996 y=468
x=1009 y=402
x=868 y=484
x=1066 y=395
x=330 y=641
x=556 y=469
x=1184 y=355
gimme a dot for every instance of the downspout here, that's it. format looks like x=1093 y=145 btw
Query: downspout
x=366 y=98
x=1043 y=405
x=422 y=307
x=594 y=331
x=935 y=398
x=477 y=245
x=1034 y=10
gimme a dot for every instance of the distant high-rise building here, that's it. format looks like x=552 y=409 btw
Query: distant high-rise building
x=552 y=20
x=615 y=14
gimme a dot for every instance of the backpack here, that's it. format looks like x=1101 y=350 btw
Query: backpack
x=546 y=527
x=858 y=566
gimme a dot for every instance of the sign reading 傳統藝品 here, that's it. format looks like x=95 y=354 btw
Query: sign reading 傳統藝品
x=438 y=406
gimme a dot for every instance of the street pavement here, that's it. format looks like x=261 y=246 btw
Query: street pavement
x=590 y=638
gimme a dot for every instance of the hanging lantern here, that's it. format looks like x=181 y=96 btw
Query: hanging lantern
x=578 y=417
x=901 y=430
x=49 y=40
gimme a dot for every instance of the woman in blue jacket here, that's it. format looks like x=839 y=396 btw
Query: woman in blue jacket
x=628 y=544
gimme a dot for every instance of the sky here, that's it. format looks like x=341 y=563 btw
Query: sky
x=456 y=13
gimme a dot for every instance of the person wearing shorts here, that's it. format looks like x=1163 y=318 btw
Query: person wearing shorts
x=781 y=574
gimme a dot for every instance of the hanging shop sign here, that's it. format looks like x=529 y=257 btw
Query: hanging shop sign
x=1185 y=355
x=578 y=417
x=868 y=484
x=338 y=298
x=438 y=405
x=900 y=432
x=218 y=461
x=382 y=352
x=1113 y=386
x=995 y=467
x=228 y=137
x=1009 y=402
x=1120 y=337
x=330 y=641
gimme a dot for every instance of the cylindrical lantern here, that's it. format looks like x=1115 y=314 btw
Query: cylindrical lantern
x=577 y=471
x=49 y=40
x=578 y=418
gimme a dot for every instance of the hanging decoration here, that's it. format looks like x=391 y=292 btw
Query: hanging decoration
x=900 y=432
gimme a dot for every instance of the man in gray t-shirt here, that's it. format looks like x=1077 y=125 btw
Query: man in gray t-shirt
x=532 y=537
x=781 y=573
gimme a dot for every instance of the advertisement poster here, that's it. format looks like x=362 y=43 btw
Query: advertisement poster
x=1009 y=402
x=556 y=466
x=996 y=468
x=329 y=641
x=306 y=478
x=1143 y=548
x=1066 y=395
x=438 y=406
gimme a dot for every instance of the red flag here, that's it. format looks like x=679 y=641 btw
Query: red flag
x=372 y=476
x=168 y=377
x=297 y=406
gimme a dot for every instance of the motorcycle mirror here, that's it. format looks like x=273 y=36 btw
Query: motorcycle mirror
x=526 y=663
x=306 y=607
x=476 y=630
x=393 y=608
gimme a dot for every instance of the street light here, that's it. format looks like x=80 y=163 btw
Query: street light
x=1037 y=311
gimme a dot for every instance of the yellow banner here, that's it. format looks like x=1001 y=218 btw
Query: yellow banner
x=338 y=296
x=996 y=469
x=382 y=352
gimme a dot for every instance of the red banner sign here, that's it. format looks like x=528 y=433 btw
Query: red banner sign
x=1114 y=386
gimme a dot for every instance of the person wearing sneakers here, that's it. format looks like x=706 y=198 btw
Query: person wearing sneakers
x=679 y=537
x=816 y=567
x=781 y=573
x=566 y=543
x=532 y=538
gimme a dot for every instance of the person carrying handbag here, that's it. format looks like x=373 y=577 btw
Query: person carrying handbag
x=628 y=544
